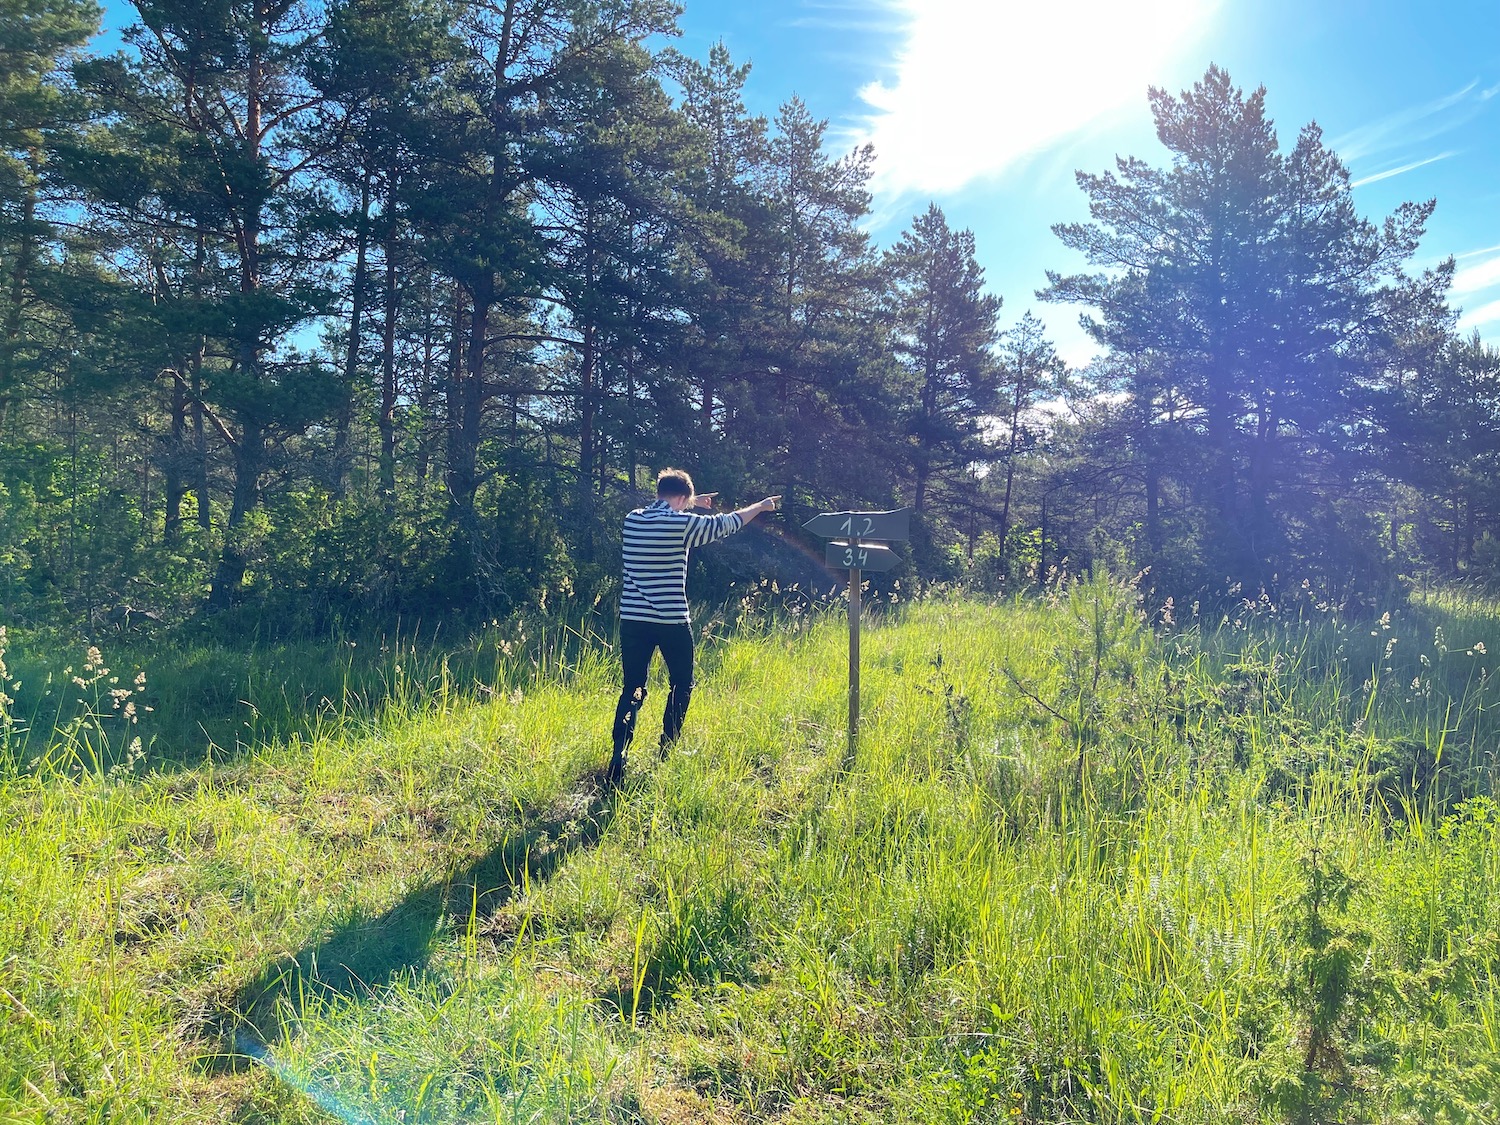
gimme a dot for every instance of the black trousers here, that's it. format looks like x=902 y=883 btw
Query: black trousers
x=639 y=641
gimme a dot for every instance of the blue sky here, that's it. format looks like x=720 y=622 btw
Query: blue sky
x=989 y=106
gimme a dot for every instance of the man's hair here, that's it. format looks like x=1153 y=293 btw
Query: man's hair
x=673 y=482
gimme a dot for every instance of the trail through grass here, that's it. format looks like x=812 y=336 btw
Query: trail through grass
x=1080 y=869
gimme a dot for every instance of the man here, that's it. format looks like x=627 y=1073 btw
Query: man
x=653 y=601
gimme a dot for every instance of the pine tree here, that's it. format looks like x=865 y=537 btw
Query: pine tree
x=37 y=106
x=944 y=332
x=1245 y=282
x=1030 y=371
x=805 y=404
x=216 y=109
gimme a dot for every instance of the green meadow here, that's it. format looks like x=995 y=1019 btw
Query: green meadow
x=1085 y=865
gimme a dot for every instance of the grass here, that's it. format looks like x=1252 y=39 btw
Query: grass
x=1084 y=867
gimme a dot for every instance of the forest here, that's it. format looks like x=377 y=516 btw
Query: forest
x=333 y=315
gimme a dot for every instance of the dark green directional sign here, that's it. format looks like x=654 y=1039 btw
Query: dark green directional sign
x=861 y=556
x=893 y=526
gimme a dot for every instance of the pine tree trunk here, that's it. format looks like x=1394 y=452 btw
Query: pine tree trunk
x=200 y=444
x=25 y=251
x=387 y=420
x=340 y=467
x=1010 y=472
x=250 y=450
x=174 y=485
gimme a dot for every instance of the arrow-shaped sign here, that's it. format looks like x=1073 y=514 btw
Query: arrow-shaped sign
x=887 y=526
x=861 y=556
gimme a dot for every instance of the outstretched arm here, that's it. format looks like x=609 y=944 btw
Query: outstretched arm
x=707 y=529
x=766 y=505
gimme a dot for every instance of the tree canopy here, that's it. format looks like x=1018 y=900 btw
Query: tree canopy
x=392 y=308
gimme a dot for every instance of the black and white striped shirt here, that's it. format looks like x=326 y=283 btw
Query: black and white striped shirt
x=657 y=541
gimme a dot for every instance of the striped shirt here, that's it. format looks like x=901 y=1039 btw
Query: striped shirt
x=657 y=541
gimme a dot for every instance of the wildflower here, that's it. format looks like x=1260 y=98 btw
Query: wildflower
x=1478 y=648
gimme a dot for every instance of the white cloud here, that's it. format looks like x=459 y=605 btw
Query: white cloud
x=1389 y=172
x=1072 y=343
x=981 y=85
x=1478 y=283
x=1484 y=314
x=1476 y=278
x=855 y=16
x=1409 y=126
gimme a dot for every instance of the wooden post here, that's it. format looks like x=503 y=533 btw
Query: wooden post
x=854 y=593
x=860 y=542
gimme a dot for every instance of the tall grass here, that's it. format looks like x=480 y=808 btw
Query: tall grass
x=1083 y=867
x=190 y=702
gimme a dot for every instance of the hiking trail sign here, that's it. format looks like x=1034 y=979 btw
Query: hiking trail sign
x=886 y=526
x=859 y=543
x=860 y=556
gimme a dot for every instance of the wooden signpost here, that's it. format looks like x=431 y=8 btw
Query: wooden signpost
x=858 y=544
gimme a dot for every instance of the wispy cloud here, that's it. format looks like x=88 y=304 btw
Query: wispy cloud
x=1478 y=318
x=1479 y=277
x=1478 y=282
x=857 y=16
x=1411 y=125
x=1409 y=166
x=978 y=87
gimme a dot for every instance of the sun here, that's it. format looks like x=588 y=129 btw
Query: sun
x=979 y=86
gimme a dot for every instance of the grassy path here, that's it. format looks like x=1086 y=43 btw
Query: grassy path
x=1229 y=913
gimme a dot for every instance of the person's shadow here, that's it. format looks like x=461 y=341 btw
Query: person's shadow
x=366 y=953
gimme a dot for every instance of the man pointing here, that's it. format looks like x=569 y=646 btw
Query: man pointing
x=653 y=600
